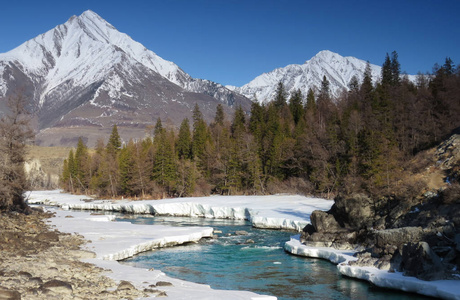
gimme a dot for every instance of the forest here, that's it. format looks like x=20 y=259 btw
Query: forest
x=309 y=143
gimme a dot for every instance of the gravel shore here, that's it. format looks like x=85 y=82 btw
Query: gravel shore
x=38 y=262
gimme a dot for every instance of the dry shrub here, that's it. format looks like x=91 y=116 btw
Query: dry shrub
x=293 y=185
x=202 y=188
x=451 y=195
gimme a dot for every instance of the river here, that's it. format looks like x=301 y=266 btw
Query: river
x=254 y=262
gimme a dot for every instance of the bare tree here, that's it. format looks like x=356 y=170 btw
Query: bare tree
x=15 y=133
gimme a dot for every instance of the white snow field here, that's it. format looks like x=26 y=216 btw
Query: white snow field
x=445 y=289
x=274 y=212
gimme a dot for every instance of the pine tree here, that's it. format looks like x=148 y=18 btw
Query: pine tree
x=395 y=69
x=184 y=141
x=114 y=143
x=280 y=97
x=387 y=77
x=164 y=168
x=126 y=171
x=311 y=102
x=296 y=107
x=239 y=123
x=200 y=134
x=220 y=116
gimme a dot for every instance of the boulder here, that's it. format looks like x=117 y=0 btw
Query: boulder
x=241 y=232
x=398 y=236
x=356 y=211
x=163 y=283
x=125 y=285
x=324 y=222
x=57 y=286
x=420 y=261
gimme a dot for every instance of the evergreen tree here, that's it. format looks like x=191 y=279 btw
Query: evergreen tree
x=395 y=69
x=353 y=85
x=296 y=107
x=200 y=134
x=280 y=96
x=387 y=77
x=311 y=102
x=126 y=163
x=164 y=168
x=367 y=86
x=220 y=116
x=158 y=128
x=114 y=143
x=239 y=123
x=184 y=141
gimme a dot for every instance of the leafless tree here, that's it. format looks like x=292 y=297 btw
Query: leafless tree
x=15 y=133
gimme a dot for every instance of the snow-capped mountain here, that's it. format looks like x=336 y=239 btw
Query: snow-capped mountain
x=338 y=70
x=85 y=73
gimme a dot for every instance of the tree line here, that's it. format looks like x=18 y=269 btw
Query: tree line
x=309 y=142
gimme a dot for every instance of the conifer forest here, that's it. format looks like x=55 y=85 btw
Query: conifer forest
x=310 y=143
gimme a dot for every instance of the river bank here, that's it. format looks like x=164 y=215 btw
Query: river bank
x=39 y=262
x=273 y=210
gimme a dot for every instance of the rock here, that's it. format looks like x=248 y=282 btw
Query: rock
x=125 y=285
x=9 y=295
x=324 y=222
x=57 y=286
x=250 y=241
x=397 y=237
x=36 y=280
x=49 y=236
x=241 y=232
x=163 y=283
x=420 y=261
x=25 y=274
x=355 y=210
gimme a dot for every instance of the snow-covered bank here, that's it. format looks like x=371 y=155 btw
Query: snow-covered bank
x=274 y=212
x=445 y=289
x=112 y=241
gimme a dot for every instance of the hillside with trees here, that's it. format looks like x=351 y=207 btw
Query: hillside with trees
x=310 y=143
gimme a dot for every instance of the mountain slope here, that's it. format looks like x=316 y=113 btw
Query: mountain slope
x=85 y=73
x=338 y=70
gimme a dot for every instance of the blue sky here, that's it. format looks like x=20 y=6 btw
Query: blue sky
x=233 y=41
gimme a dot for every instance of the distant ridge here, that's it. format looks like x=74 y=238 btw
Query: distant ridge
x=338 y=70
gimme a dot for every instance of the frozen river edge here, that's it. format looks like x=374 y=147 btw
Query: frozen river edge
x=276 y=212
x=445 y=289
x=112 y=241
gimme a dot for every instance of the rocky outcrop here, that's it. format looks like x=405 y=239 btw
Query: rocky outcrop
x=419 y=236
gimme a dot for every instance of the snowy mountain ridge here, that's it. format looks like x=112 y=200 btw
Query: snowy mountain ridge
x=86 y=73
x=338 y=70
x=85 y=48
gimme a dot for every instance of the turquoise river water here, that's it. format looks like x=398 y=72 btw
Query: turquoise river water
x=230 y=262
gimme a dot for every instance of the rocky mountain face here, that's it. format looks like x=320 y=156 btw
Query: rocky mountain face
x=419 y=236
x=84 y=76
x=338 y=70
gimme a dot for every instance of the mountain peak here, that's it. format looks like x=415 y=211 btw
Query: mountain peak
x=338 y=70
x=325 y=55
x=90 y=14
